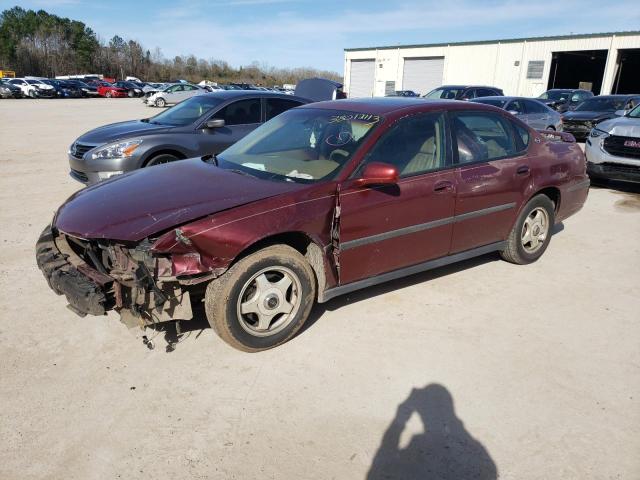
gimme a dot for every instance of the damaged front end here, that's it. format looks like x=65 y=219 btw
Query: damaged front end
x=96 y=276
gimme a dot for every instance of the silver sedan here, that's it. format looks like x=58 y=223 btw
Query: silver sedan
x=532 y=112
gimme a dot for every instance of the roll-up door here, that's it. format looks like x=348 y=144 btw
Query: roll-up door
x=361 y=78
x=422 y=74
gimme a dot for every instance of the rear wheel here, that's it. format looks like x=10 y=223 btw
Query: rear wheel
x=263 y=300
x=131 y=94
x=531 y=234
x=161 y=102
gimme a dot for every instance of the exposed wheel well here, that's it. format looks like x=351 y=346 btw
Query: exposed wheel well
x=175 y=153
x=553 y=193
x=300 y=242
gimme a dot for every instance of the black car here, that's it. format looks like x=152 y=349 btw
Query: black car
x=201 y=125
x=86 y=89
x=563 y=100
x=464 y=92
x=8 y=90
x=403 y=93
x=64 y=88
x=132 y=89
x=592 y=111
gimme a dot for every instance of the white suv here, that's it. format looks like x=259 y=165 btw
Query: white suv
x=613 y=148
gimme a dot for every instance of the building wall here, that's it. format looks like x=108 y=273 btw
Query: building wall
x=491 y=63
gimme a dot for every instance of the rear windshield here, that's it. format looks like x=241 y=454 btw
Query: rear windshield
x=445 y=92
x=555 y=95
x=187 y=112
x=602 y=104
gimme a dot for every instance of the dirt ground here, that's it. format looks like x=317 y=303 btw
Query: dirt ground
x=484 y=367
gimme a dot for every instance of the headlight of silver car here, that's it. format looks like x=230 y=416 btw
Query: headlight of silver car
x=117 y=150
x=595 y=133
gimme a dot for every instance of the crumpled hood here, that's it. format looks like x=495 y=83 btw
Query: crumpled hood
x=148 y=201
x=621 y=126
x=121 y=130
x=587 y=115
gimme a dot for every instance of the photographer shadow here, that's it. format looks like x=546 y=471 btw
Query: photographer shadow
x=444 y=451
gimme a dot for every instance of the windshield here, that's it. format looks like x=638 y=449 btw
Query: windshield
x=635 y=113
x=561 y=95
x=34 y=82
x=602 y=104
x=187 y=112
x=302 y=145
x=444 y=92
x=493 y=101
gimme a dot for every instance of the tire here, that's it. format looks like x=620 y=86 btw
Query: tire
x=32 y=94
x=108 y=94
x=131 y=94
x=519 y=249
x=160 y=159
x=253 y=282
x=160 y=102
x=552 y=128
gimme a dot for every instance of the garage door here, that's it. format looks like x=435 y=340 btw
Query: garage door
x=422 y=74
x=362 y=78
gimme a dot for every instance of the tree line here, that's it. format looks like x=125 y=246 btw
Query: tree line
x=41 y=44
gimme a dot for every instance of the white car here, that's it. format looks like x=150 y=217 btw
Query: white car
x=174 y=94
x=613 y=148
x=28 y=90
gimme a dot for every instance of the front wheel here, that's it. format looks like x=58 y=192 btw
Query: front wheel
x=263 y=300
x=161 y=102
x=531 y=234
x=108 y=94
x=160 y=159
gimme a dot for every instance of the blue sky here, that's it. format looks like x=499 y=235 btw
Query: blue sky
x=296 y=33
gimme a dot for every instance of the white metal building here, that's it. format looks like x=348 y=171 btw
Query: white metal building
x=603 y=62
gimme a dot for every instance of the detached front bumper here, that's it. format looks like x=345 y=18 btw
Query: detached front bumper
x=129 y=287
x=86 y=289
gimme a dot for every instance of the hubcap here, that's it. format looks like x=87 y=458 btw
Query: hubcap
x=535 y=230
x=269 y=301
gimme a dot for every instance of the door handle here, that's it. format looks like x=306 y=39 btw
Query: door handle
x=443 y=186
x=523 y=170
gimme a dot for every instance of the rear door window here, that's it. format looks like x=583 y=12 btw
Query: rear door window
x=485 y=92
x=534 y=107
x=275 y=106
x=242 y=112
x=482 y=136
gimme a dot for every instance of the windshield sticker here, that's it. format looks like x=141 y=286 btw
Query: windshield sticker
x=355 y=117
x=340 y=139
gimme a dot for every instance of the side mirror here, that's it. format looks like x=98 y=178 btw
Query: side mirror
x=214 y=123
x=378 y=173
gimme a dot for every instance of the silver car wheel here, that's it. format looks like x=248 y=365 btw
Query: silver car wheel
x=269 y=301
x=535 y=230
x=160 y=102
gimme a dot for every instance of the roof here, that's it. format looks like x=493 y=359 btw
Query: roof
x=506 y=40
x=231 y=94
x=386 y=105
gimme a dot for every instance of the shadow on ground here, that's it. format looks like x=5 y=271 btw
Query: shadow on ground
x=445 y=450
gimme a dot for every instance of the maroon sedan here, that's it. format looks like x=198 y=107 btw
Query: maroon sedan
x=320 y=201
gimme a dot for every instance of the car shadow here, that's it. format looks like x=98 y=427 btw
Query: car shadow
x=616 y=186
x=178 y=332
x=444 y=450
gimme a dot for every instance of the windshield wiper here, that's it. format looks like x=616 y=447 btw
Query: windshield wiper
x=210 y=158
x=240 y=172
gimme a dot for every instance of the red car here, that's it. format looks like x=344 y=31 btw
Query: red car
x=320 y=201
x=108 y=90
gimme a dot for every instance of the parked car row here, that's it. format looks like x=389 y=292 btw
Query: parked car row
x=45 y=88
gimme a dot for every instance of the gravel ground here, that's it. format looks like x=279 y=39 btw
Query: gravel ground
x=518 y=372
